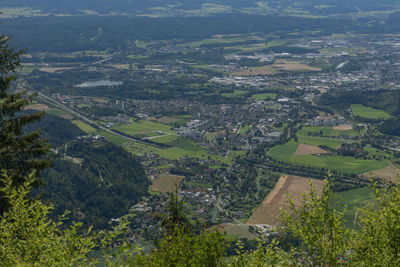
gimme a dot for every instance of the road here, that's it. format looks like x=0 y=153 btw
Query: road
x=91 y=122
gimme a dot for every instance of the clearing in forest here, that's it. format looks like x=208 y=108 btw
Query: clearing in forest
x=303 y=149
x=269 y=211
x=167 y=183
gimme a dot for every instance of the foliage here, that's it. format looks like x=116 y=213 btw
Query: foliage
x=318 y=226
x=378 y=242
x=29 y=238
x=20 y=152
x=103 y=183
x=182 y=248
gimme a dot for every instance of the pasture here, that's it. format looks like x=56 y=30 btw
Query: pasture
x=269 y=211
x=143 y=128
x=279 y=66
x=326 y=131
x=350 y=201
x=309 y=150
x=286 y=152
x=369 y=113
x=265 y=96
x=166 y=183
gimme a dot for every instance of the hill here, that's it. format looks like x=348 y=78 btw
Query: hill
x=206 y=7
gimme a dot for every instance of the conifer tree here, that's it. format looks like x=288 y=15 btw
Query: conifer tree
x=20 y=153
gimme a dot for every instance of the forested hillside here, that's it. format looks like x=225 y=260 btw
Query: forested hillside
x=96 y=181
x=317 y=7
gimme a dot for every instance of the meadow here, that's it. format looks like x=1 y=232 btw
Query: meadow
x=369 y=113
x=143 y=128
x=350 y=201
x=325 y=130
x=264 y=96
x=286 y=152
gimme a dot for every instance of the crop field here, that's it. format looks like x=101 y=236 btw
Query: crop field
x=368 y=112
x=55 y=69
x=180 y=148
x=286 y=152
x=309 y=150
x=326 y=131
x=279 y=65
x=235 y=93
x=350 y=201
x=84 y=127
x=167 y=183
x=343 y=127
x=389 y=173
x=38 y=107
x=219 y=39
x=320 y=141
x=264 y=96
x=167 y=120
x=236 y=230
x=269 y=211
x=143 y=128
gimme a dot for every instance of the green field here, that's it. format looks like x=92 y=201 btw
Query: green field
x=243 y=129
x=320 y=141
x=350 y=201
x=265 y=96
x=236 y=93
x=368 y=112
x=344 y=164
x=143 y=128
x=84 y=127
x=179 y=148
x=325 y=130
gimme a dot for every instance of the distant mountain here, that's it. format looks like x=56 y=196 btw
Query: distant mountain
x=207 y=7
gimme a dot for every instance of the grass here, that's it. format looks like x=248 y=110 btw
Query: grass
x=243 y=129
x=236 y=93
x=369 y=113
x=166 y=183
x=264 y=96
x=143 y=128
x=84 y=127
x=180 y=148
x=343 y=164
x=319 y=141
x=351 y=200
x=326 y=131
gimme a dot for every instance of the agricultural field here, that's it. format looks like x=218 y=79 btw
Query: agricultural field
x=235 y=230
x=278 y=66
x=389 y=173
x=369 y=113
x=265 y=96
x=84 y=127
x=286 y=152
x=179 y=148
x=320 y=141
x=350 y=201
x=309 y=150
x=167 y=183
x=327 y=131
x=236 y=93
x=269 y=211
x=38 y=107
x=143 y=128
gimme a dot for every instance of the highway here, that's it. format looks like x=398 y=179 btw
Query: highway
x=91 y=122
